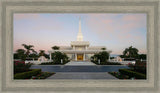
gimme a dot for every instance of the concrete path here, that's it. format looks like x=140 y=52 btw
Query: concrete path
x=80 y=63
x=82 y=75
x=64 y=68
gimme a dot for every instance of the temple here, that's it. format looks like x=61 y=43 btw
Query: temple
x=80 y=50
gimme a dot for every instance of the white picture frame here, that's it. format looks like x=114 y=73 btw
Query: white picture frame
x=9 y=7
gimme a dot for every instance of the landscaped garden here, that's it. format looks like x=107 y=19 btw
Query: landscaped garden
x=101 y=58
x=22 y=71
x=137 y=71
x=107 y=63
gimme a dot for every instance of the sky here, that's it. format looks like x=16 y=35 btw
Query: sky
x=116 y=31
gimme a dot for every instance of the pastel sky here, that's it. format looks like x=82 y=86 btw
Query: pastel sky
x=115 y=31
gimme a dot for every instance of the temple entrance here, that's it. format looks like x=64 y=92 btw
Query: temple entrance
x=79 y=57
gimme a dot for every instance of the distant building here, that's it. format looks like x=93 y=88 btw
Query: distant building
x=80 y=50
x=118 y=59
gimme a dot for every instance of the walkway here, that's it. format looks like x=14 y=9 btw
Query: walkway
x=80 y=71
x=80 y=63
x=81 y=75
x=64 y=68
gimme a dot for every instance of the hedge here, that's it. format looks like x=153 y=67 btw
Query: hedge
x=107 y=63
x=26 y=75
x=132 y=74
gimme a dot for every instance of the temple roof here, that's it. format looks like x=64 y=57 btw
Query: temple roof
x=79 y=43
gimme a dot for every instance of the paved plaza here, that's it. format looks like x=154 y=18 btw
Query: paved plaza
x=82 y=75
x=75 y=70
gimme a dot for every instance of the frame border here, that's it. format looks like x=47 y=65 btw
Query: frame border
x=8 y=21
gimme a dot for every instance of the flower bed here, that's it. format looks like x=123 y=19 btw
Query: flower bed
x=108 y=63
x=20 y=66
x=139 y=67
x=42 y=75
x=118 y=75
x=52 y=63
x=132 y=74
x=26 y=75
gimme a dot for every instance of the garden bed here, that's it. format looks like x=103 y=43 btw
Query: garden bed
x=118 y=75
x=28 y=74
x=128 y=74
x=131 y=74
x=52 y=63
x=33 y=74
x=107 y=63
x=42 y=75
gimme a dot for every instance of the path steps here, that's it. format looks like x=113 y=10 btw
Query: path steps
x=80 y=63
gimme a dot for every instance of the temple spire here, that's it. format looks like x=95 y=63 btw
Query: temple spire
x=80 y=36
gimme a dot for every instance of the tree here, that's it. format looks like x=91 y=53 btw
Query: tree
x=41 y=53
x=21 y=54
x=131 y=52
x=34 y=55
x=102 y=56
x=103 y=48
x=57 y=56
x=28 y=49
x=142 y=56
x=55 y=48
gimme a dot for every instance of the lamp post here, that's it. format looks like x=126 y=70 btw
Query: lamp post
x=99 y=61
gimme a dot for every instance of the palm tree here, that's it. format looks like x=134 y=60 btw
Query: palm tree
x=21 y=54
x=34 y=54
x=55 y=48
x=130 y=52
x=28 y=49
x=42 y=52
x=20 y=51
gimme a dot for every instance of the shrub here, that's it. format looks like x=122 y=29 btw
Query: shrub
x=57 y=56
x=20 y=66
x=43 y=75
x=47 y=63
x=102 y=56
x=132 y=74
x=118 y=75
x=26 y=75
x=52 y=63
x=138 y=67
x=107 y=63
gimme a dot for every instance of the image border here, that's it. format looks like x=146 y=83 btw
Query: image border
x=151 y=8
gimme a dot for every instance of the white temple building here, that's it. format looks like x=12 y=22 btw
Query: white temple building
x=79 y=50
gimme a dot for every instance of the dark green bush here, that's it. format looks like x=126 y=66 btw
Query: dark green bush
x=47 y=63
x=118 y=75
x=139 y=67
x=26 y=75
x=102 y=56
x=57 y=56
x=21 y=66
x=52 y=63
x=132 y=74
x=107 y=63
